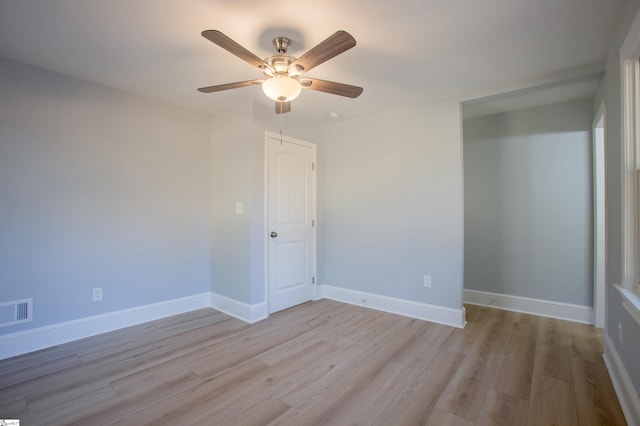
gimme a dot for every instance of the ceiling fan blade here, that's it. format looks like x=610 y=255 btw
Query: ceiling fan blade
x=283 y=107
x=337 y=43
x=231 y=46
x=220 y=87
x=331 y=87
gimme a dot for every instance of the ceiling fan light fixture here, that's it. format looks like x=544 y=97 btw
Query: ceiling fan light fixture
x=281 y=88
x=284 y=74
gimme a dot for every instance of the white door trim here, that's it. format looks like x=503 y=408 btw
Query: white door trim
x=314 y=239
x=599 y=221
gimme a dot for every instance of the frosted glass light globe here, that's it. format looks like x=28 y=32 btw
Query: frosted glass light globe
x=281 y=88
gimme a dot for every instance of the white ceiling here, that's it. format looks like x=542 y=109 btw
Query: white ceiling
x=408 y=52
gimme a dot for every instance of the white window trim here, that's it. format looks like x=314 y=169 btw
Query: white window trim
x=630 y=176
x=629 y=173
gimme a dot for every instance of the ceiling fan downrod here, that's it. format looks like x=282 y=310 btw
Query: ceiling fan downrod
x=282 y=44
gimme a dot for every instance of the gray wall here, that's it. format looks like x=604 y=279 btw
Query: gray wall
x=98 y=188
x=390 y=200
x=231 y=182
x=528 y=205
x=609 y=93
x=238 y=175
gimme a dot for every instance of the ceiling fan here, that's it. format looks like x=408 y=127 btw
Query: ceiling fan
x=283 y=73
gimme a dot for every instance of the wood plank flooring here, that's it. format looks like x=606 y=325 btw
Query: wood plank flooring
x=319 y=363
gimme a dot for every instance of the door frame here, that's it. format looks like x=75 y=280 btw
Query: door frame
x=599 y=217
x=314 y=212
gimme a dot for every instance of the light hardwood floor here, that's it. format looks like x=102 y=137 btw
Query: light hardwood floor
x=319 y=363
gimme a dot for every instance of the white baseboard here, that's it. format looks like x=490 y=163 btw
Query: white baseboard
x=35 y=339
x=26 y=341
x=241 y=310
x=527 y=305
x=409 y=308
x=627 y=394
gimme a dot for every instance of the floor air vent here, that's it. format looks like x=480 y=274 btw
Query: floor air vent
x=16 y=312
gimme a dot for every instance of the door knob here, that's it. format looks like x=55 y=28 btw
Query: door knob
x=273 y=234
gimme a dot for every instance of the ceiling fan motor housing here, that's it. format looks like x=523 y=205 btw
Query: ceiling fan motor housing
x=280 y=65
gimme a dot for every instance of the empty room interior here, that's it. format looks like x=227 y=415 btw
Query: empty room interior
x=287 y=213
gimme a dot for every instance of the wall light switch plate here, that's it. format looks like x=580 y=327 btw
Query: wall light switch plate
x=97 y=294
x=239 y=208
x=427 y=280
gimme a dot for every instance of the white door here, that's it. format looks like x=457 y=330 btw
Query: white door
x=291 y=203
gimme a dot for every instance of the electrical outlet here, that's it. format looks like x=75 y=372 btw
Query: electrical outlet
x=97 y=294
x=620 y=332
x=427 y=281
